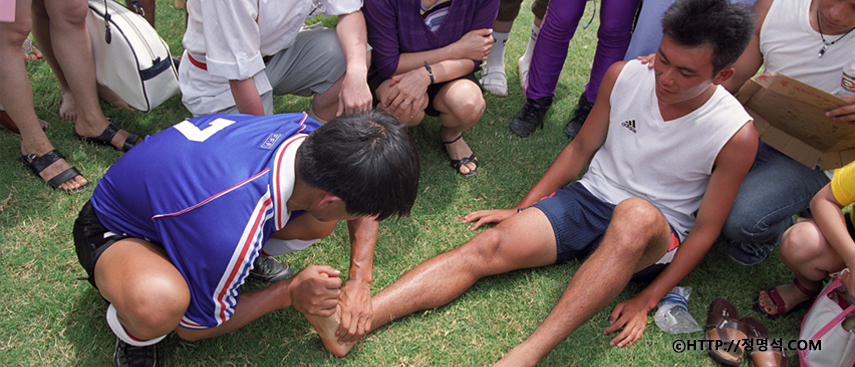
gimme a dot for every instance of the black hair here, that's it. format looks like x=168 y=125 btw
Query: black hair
x=726 y=27
x=366 y=159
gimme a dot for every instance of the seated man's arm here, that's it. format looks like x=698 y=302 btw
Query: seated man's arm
x=355 y=299
x=731 y=166
x=751 y=59
x=314 y=290
x=572 y=159
x=355 y=96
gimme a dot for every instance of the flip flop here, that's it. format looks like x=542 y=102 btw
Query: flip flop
x=106 y=138
x=723 y=325
x=780 y=305
x=773 y=356
x=38 y=164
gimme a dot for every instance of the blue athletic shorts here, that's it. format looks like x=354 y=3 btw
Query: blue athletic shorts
x=580 y=219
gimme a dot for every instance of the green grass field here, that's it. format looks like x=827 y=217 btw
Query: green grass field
x=49 y=317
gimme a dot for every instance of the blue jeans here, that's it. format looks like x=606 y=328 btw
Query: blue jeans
x=775 y=189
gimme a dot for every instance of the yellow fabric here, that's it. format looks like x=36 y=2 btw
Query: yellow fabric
x=843 y=184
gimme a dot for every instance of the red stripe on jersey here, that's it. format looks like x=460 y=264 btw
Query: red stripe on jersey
x=250 y=238
x=276 y=180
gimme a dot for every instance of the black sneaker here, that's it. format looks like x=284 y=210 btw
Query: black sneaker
x=270 y=269
x=583 y=108
x=126 y=355
x=530 y=116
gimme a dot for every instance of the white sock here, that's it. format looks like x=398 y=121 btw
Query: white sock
x=529 y=49
x=496 y=60
x=119 y=330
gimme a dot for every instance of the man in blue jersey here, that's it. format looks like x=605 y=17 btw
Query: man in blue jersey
x=173 y=228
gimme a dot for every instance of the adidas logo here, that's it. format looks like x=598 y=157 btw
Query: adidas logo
x=629 y=124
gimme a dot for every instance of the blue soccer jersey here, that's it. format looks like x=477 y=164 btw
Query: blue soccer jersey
x=211 y=190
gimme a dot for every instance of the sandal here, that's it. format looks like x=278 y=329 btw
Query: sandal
x=7 y=122
x=494 y=81
x=780 y=305
x=773 y=356
x=456 y=163
x=106 y=138
x=723 y=326
x=38 y=164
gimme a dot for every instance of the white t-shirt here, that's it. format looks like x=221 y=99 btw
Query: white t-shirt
x=667 y=163
x=232 y=36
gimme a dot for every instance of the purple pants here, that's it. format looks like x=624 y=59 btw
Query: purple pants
x=559 y=26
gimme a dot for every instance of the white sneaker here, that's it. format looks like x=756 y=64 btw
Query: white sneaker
x=494 y=81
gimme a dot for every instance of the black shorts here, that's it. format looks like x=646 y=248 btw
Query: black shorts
x=91 y=238
x=432 y=90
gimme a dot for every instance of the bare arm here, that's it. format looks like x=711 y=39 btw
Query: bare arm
x=828 y=217
x=246 y=97
x=355 y=96
x=355 y=300
x=731 y=166
x=314 y=290
x=572 y=159
x=751 y=59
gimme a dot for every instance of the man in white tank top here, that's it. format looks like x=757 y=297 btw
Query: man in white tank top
x=808 y=40
x=663 y=143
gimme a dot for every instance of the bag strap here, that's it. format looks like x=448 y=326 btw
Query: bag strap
x=837 y=319
x=108 y=36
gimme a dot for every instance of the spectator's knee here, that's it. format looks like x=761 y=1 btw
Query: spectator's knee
x=801 y=242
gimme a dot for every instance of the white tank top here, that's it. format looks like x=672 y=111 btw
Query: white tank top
x=790 y=46
x=667 y=163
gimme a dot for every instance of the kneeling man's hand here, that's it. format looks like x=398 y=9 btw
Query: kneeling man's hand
x=315 y=290
x=356 y=311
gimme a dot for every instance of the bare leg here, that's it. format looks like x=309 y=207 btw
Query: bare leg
x=148 y=292
x=525 y=240
x=70 y=55
x=810 y=257
x=460 y=105
x=636 y=238
x=16 y=95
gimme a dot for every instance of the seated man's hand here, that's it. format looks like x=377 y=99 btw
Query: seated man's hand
x=315 y=290
x=483 y=217
x=845 y=113
x=356 y=311
x=631 y=315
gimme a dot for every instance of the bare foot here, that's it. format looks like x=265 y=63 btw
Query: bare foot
x=326 y=328
x=791 y=295
x=68 y=108
x=112 y=98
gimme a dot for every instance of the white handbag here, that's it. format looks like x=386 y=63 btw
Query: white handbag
x=823 y=324
x=130 y=57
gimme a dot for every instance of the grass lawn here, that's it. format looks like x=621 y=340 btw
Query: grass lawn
x=52 y=318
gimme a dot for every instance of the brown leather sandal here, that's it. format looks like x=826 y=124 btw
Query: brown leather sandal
x=727 y=332
x=773 y=356
x=780 y=305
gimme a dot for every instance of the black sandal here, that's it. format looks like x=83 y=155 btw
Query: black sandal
x=38 y=164
x=456 y=163
x=106 y=138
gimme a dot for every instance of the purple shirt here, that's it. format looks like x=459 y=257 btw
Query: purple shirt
x=396 y=27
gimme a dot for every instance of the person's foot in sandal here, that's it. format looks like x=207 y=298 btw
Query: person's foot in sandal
x=111 y=136
x=54 y=170
x=780 y=300
x=463 y=160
